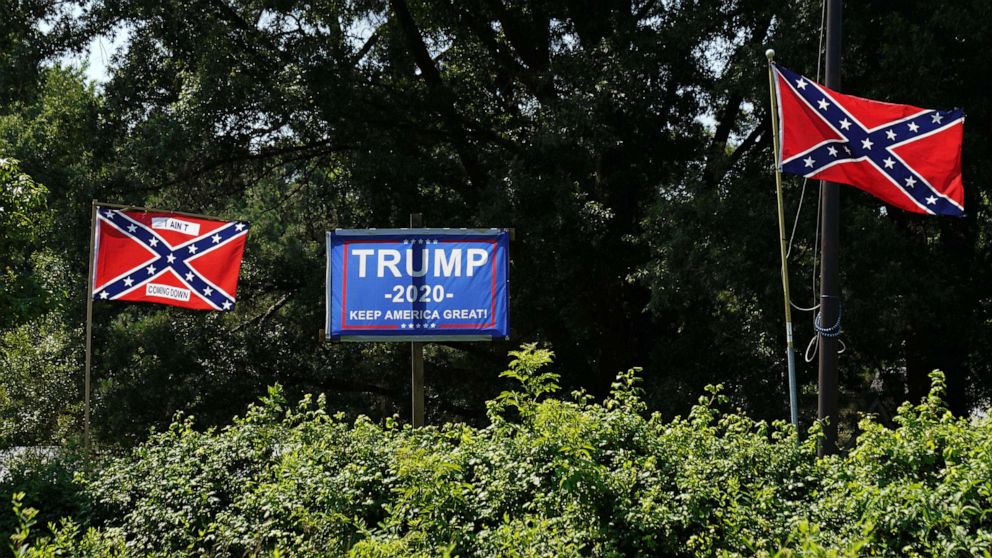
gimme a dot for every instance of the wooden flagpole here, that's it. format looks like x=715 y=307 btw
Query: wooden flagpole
x=87 y=442
x=790 y=350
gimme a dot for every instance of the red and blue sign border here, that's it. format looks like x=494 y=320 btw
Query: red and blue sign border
x=497 y=326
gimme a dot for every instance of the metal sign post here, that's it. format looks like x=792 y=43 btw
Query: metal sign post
x=417 y=356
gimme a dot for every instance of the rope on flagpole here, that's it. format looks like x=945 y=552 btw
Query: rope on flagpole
x=802 y=195
x=795 y=222
x=813 y=346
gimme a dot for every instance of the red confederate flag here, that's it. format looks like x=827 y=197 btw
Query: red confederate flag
x=907 y=156
x=168 y=258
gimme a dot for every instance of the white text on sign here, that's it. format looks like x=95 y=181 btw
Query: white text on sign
x=445 y=263
x=450 y=314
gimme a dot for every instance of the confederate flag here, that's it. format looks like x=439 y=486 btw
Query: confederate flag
x=907 y=156
x=168 y=258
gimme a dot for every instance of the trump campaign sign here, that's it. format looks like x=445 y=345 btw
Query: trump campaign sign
x=417 y=284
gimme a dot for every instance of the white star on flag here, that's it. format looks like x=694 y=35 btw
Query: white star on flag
x=131 y=228
x=170 y=258
x=809 y=161
x=128 y=281
x=913 y=126
x=215 y=238
x=192 y=248
x=890 y=134
x=227 y=305
x=889 y=163
x=832 y=151
x=150 y=269
x=103 y=295
x=866 y=143
x=910 y=182
x=932 y=200
x=823 y=104
x=845 y=124
x=239 y=227
x=208 y=291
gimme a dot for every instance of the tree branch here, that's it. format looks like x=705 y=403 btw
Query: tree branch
x=260 y=319
x=441 y=96
x=369 y=43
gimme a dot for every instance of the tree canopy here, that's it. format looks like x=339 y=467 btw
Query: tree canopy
x=626 y=142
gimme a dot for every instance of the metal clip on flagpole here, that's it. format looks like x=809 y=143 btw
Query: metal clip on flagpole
x=790 y=348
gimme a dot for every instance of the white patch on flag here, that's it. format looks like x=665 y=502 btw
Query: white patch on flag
x=165 y=291
x=178 y=225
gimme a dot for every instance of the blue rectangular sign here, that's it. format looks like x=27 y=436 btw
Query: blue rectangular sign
x=417 y=284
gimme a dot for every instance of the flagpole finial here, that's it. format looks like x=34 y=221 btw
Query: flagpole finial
x=770 y=54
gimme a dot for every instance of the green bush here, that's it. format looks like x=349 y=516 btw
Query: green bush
x=42 y=477
x=547 y=477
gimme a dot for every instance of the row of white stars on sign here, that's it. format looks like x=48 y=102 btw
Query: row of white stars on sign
x=418 y=326
x=419 y=241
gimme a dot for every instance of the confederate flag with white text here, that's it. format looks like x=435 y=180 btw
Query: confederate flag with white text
x=907 y=156
x=167 y=258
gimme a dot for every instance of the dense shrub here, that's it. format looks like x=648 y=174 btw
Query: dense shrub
x=42 y=476
x=548 y=477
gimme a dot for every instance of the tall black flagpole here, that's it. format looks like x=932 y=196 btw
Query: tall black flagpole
x=830 y=309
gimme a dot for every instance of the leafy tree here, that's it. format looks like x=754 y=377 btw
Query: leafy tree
x=628 y=144
x=565 y=122
x=23 y=221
